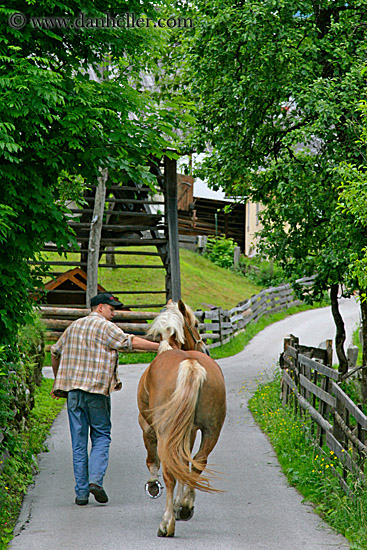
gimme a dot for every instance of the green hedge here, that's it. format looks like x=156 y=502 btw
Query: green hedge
x=20 y=375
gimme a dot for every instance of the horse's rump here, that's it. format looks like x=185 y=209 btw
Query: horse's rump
x=174 y=422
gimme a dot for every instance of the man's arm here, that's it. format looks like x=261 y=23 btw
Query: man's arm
x=55 y=362
x=117 y=339
x=142 y=344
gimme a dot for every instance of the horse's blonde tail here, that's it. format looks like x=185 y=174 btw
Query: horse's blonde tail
x=174 y=423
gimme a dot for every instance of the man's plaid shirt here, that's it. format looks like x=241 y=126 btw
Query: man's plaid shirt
x=89 y=357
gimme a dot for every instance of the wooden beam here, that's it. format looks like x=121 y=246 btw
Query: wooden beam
x=131 y=227
x=342 y=454
x=318 y=392
x=319 y=367
x=123 y=241
x=138 y=188
x=350 y=435
x=350 y=405
x=172 y=220
x=70 y=291
x=49 y=312
x=116 y=266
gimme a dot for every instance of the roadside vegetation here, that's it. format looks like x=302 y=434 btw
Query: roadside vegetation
x=305 y=467
x=19 y=470
x=226 y=288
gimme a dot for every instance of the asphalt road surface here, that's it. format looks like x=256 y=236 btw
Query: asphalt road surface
x=256 y=511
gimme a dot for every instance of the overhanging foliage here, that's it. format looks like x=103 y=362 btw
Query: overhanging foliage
x=59 y=127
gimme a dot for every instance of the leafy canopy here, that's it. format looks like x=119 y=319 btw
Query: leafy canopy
x=60 y=125
x=276 y=86
x=353 y=200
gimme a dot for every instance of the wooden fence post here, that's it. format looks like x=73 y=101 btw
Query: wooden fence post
x=329 y=353
x=324 y=409
x=236 y=256
x=220 y=317
x=95 y=237
x=292 y=341
x=285 y=388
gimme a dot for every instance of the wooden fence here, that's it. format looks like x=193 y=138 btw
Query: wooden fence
x=216 y=326
x=219 y=325
x=312 y=388
x=57 y=319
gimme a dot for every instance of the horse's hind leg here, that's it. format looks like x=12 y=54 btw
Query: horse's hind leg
x=185 y=497
x=153 y=487
x=167 y=525
x=184 y=508
x=184 y=503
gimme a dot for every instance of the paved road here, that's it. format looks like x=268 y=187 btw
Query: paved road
x=257 y=511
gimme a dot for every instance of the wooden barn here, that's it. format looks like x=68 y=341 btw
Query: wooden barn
x=201 y=211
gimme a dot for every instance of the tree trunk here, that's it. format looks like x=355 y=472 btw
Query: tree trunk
x=364 y=344
x=340 y=330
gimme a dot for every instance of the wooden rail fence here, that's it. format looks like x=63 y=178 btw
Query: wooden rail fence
x=216 y=326
x=312 y=388
x=219 y=325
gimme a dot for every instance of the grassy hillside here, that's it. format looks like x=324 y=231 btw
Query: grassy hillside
x=203 y=283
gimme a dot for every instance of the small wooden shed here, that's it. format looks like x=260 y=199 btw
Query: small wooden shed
x=68 y=289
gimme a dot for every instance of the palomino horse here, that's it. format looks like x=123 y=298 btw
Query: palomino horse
x=181 y=392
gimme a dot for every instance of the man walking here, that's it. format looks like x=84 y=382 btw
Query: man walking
x=84 y=362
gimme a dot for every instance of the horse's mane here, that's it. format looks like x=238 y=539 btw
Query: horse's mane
x=170 y=322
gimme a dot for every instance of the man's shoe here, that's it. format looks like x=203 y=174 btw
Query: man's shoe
x=81 y=501
x=98 y=492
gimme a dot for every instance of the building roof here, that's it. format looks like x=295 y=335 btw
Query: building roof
x=202 y=191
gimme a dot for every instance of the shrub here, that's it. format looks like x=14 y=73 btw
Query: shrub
x=262 y=272
x=20 y=376
x=20 y=373
x=220 y=250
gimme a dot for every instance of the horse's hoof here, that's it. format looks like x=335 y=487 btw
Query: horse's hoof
x=164 y=534
x=153 y=489
x=184 y=514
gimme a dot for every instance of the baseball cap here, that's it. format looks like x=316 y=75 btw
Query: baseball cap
x=105 y=298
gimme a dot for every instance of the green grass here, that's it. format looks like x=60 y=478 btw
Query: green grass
x=19 y=469
x=233 y=347
x=308 y=470
x=238 y=343
x=202 y=282
x=205 y=283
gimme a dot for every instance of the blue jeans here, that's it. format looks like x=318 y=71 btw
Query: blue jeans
x=89 y=413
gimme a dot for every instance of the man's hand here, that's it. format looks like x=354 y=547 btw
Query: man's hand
x=53 y=395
